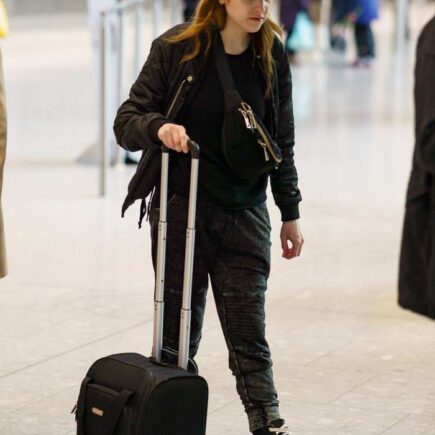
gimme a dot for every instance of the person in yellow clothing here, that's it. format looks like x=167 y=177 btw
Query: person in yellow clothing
x=3 y=137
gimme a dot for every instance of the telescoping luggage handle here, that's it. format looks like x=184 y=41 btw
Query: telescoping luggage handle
x=185 y=318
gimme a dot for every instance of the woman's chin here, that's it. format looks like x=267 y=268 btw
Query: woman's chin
x=253 y=28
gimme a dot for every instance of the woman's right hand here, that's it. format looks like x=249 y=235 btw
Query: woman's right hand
x=174 y=137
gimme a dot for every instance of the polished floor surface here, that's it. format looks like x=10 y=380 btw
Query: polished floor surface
x=347 y=359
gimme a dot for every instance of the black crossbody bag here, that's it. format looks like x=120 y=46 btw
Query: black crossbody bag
x=248 y=147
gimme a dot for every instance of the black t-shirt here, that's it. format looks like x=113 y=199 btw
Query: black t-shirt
x=202 y=117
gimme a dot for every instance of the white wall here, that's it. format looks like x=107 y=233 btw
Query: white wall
x=18 y=7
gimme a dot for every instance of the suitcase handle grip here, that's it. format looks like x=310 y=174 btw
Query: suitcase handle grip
x=193 y=146
x=194 y=149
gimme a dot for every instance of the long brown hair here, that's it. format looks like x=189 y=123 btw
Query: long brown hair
x=210 y=14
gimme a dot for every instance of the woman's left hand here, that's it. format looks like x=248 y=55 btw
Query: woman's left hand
x=290 y=231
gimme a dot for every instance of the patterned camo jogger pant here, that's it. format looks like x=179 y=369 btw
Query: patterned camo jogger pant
x=233 y=248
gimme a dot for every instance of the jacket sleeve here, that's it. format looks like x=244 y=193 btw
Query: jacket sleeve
x=284 y=179
x=425 y=141
x=427 y=147
x=140 y=116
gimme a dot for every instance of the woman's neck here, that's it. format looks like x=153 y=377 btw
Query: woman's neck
x=235 y=39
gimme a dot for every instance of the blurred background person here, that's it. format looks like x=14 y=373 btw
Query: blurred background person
x=360 y=14
x=417 y=260
x=289 y=10
x=337 y=37
x=189 y=9
x=3 y=137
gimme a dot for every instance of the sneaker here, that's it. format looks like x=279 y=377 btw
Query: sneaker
x=362 y=62
x=277 y=427
x=367 y=62
x=356 y=63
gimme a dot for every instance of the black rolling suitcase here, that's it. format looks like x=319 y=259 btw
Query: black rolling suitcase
x=129 y=394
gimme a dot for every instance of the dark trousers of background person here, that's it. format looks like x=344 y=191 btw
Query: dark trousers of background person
x=232 y=247
x=338 y=12
x=365 y=41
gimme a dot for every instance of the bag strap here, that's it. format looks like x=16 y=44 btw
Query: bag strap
x=116 y=410
x=223 y=66
x=81 y=405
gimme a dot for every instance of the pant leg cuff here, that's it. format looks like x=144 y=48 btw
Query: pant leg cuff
x=260 y=417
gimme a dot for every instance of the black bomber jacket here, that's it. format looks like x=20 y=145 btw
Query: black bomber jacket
x=158 y=96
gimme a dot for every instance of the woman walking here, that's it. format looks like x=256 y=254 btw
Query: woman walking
x=179 y=96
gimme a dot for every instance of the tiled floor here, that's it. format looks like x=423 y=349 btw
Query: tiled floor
x=347 y=359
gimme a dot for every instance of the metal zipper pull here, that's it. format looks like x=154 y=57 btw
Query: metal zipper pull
x=266 y=155
x=246 y=118
x=252 y=119
x=189 y=79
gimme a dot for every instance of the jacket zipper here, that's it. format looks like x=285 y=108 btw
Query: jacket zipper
x=189 y=79
x=148 y=209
